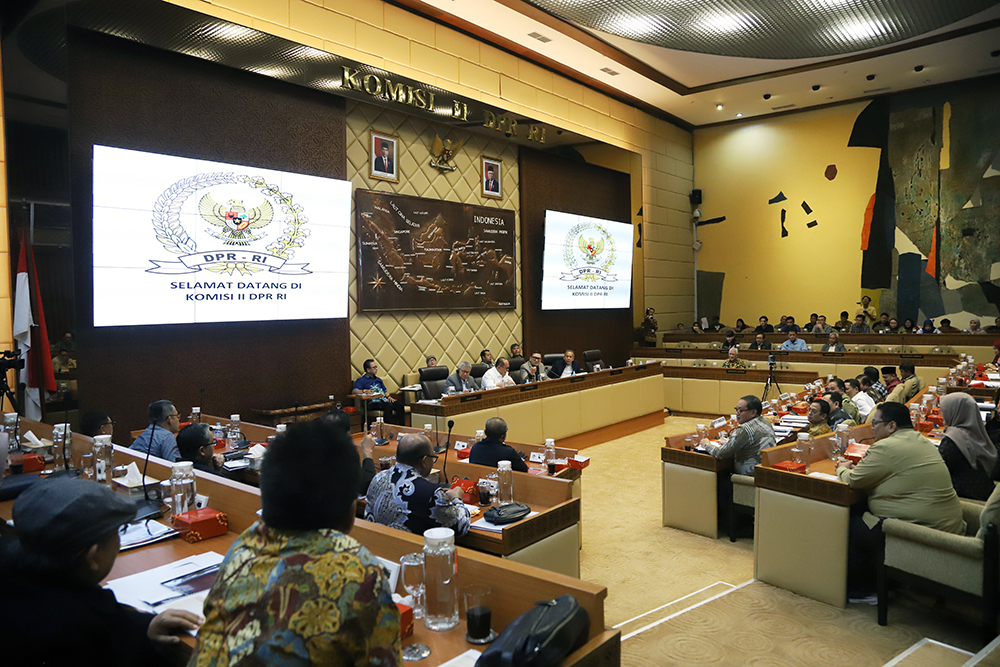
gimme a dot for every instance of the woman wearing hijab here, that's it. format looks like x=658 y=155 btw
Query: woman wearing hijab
x=996 y=353
x=928 y=328
x=966 y=448
x=909 y=326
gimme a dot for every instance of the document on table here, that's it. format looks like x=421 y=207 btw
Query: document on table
x=410 y=387
x=825 y=475
x=483 y=524
x=144 y=532
x=147 y=591
x=467 y=659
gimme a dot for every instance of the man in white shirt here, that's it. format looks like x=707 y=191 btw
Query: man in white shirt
x=862 y=401
x=498 y=376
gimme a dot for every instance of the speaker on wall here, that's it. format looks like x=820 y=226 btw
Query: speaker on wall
x=695 y=197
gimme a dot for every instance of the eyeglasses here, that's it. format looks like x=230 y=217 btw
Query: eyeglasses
x=878 y=421
x=738 y=409
x=432 y=457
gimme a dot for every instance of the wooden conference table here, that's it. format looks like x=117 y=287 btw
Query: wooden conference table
x=570 y=410
x=515 y=586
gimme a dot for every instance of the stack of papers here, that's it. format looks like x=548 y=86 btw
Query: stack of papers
x=782 y=432
x=429 y=401
x=483 y=524
x=795 y=421
x=145 y=532
x=183 y=584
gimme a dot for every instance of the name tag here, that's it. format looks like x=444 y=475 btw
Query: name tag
x=537 y=457
x=721 y=421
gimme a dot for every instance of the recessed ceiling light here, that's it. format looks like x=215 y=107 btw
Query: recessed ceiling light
x=724 y=23
x=719 y=107
x=634 y=25
x=739 y=115
x=858 y=31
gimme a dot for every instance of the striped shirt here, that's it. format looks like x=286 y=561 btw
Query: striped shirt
x=744 y=445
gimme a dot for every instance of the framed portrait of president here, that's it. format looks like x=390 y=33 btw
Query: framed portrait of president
x=492 y=175
x=383 y=153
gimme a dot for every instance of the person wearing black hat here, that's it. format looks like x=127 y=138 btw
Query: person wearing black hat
x=52 y=607
x=889 y=375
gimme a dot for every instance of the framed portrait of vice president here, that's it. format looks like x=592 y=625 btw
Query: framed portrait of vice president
x=383 y=151
x=492 y=177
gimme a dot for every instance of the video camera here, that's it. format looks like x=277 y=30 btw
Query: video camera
x=10 y=360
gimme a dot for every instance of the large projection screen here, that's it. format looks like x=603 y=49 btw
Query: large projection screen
x=179 y=241
x=586 y=263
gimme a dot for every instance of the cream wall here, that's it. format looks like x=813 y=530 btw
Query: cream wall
x=383 y=35
x=739 y=168
x=6 y=300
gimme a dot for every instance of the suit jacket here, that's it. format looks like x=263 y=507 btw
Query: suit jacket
x=557 y=368
x=492 y=186
x=380 y=165
x=456 y=382
x=487 y=452
x=905 y=390
x=766 y=345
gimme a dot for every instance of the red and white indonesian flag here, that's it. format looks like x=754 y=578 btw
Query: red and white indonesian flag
x=31 y=338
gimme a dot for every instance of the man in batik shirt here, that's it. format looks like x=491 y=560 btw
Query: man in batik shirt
x=401 y=497
x=295 y=589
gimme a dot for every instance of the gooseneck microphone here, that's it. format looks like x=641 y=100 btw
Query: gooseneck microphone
x=148 y=509
x=447 y=446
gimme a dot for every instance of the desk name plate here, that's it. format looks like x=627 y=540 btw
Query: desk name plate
x=471 y=397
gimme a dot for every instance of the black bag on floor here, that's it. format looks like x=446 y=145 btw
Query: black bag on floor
x=541 y=636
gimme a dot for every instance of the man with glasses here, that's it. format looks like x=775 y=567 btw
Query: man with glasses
x=535 y=369
x=819 y=413
x=196 y=443
x=753 y=434
x=461 y=380
x=905 y=478
x=401 y=497
x=159 y=437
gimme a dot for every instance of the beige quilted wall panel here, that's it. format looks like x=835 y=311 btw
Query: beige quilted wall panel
x=400 y=341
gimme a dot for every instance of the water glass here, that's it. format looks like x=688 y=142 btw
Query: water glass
x=412 y=575
x=478 y=613
x=87 y=465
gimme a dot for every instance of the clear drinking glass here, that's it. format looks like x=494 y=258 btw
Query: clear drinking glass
x=412 y=574
x=87 y=465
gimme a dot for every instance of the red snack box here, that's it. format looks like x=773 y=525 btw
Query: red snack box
x=198 y=525
x=790 y=466
x=800 y=410
x=463 y=454
x=937 y=420
x=33 y=463
x=925 y=426
x=856 y=452
x=405 y=620
x=576 y=462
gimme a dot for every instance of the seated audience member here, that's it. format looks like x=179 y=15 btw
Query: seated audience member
x=811 y=324
x=909 y=384
x=565 y=366
x=894 y=327
x=164 y=422
x=196 y=443
x=486 y=357
x=996 y=354
x=837 y=413
x=846 y=402
x=740 y=325
x=928 y=328
x=730 y=340
x=890 y=379
x=862 y=401
x=966 y=447
x=905 y=478
x=680 y=328
x=402 y=498
x=760 y=343
x=97 y=422
x=61 y=363
x=498 y=376
x=295 y=588
x=794 y=343
x=833 y=344
x=821 y=326
x=340 y=419
x=819 y=412
x=370 y=381
x=909 y=326
x=946 y=327
x=696 y=327
x=734 y=360
x=867 y=311
x=781 y=323
x=716 y=325
x=882 y=325
x=753 y=434
x=859 y=326
x=764 y=327
x=65 y=343
x=515 y=350
x=535 y=368
x=995 y=327
x=53 y=609
x=790 y=325
x=844 y=325
x=975 y=327
x=432 y=361
x=461 y=380
x=492 y=448
x=878 y=390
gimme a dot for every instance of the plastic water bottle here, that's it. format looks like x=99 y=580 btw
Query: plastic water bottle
x=182 y=487
x=505 y=478
x=62 y=450
x=104 y=458
x=440 y=579
x=550 y=455
x=233 y=430
x=480 y=436
x=12 y=426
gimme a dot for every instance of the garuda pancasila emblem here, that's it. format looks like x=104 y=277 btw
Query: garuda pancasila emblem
x=443 y=152
x=235 y=221
x=591 y=249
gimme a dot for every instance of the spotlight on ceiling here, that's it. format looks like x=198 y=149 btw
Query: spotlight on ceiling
x=719 y=107
x=816 y=87
x=870 y=77
x=918 y=68
x=767 y=96
x=995 y=54
x=739 y=115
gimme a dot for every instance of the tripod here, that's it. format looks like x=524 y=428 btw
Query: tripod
x=771 y=381
x=5 y=390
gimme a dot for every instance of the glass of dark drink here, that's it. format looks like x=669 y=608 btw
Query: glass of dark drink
x=15 y=461
x=478 y=613
x=385 y=463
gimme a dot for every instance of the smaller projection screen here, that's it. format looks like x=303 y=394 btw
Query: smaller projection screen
x=179 y=241
x=586 y=263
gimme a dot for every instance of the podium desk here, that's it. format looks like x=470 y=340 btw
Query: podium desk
x=574 y=411
x=516 y=586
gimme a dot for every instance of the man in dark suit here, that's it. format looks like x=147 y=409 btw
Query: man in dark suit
x=491 y=449
x=491 y=183
x=565 y=366
x=461 y=379
x=383 y=162
x=760 y=343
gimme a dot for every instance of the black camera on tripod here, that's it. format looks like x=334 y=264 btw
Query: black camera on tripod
x=10 y=360
x=770 y=359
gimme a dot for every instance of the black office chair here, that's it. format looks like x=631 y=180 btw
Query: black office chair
x=520 y=376
x=515 y=363
x=592 y=360
x=432 y=379
x=550 y=359
x=478 y=371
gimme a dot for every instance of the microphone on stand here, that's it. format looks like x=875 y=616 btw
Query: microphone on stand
x=447 y=446
x=148 y=509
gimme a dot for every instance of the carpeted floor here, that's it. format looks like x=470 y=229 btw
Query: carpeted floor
x=684 y=599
